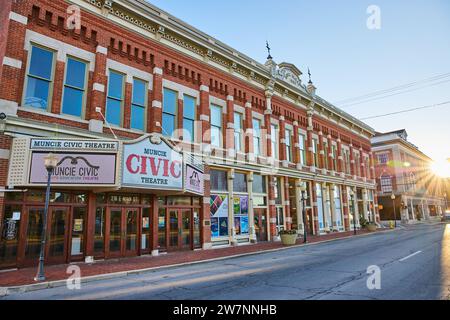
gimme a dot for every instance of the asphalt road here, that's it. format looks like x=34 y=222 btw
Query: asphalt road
x=414 y=264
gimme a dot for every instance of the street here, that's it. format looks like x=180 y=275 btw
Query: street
x=414 y=264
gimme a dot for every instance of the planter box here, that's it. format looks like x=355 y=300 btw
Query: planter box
x=288 y=239
x=371 y=227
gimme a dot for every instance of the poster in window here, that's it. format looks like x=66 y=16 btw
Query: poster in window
x=237 y=225
x=244 y=225
x=145 y=222
x=237 y=205
x=244 y=205
x=223 y=226
x=219 y=206
x=214 y=227
x=78 y=225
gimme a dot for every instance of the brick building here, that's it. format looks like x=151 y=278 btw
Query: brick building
x=403 y=170
x=167 y=139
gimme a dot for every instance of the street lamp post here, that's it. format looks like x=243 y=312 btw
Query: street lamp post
x=50 y=162
x=393 y=205
x=303 y=190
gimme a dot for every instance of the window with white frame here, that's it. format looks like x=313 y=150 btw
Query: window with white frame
x=357 y=163
x=334 y=157
x=386 y=184
x=256 y=136
x=216 y=126
x=238 y=128
x=39 y=78
x=138 y=105
x=115 y=99
x=169 y=112
x=346 y=154
x=189 y=104
x=301 y=144
x=274 y=140
x=325 y=154
x=74 y=87
x=315 y=153
x=288 y=144
x=382 y=158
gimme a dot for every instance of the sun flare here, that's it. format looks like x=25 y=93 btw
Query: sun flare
x=441 y=168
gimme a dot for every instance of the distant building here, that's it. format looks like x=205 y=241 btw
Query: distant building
x=403 y=170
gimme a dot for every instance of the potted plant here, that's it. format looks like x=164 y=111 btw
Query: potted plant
x=288 y=237
x=371 y=226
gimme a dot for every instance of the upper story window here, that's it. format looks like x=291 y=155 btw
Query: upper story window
x=346 y=154
x=274 y=140
x=39 y=78
x=334 y=157
x=288 y=143
x=216 y=126
x=74 y=88
x=315 y=153
x=358 y=163
x=114 y=103
x=240 y=182
x=382 y=158
x=301 y=144
x=367 y=166
x=386 y=184
x=257 y=137
x=219 y=180
x=189 y=104
x=325 y=154
x=238 y=145
x=169 y=112
x=138 y=105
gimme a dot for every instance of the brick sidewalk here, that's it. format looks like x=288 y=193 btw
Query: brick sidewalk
x=58 y=272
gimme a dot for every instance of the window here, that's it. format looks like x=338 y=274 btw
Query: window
x=259 y=183
x=274 y=140
x=114 y=101
x=288 y=143
x=346 y=161
x=169 y=116
x=138 y=104
x=39 y=78
x=301 y=143
x=320 y=206
x=315 y=155
x=382 y=158
x=334 y=157
x=240 y=182
x=367 y=166
x=386 y=184
x=257 y=137
x=238 y=132
x=337 y=206
x=219 y=180
x=188 y=118
x=358 y=164
x=216 y=126
x=74 y=88
x=278 y=190
x=325 y=154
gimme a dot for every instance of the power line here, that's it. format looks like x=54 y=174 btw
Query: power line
x=393 y=94
x=406 y=110
x=403 y=86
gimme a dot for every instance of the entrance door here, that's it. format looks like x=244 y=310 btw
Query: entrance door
x=260 y=218
x=179 y=227
x=123 y=232
x=56 y=238
x=280 y=219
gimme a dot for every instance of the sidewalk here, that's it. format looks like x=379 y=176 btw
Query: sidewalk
x=58 y=272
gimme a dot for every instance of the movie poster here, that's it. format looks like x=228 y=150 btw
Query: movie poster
x=219 y=215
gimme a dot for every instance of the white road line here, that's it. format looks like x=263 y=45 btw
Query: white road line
x=411 y=255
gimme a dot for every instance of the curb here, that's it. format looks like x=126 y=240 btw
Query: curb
x=5 y=291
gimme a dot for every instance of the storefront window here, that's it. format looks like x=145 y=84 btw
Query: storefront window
x=123 y=199
x=59 y=197
x=146 y=200
x=259 y=201
x=278 y=191
x=100 y=198
x=240 y=182
x=319 y=205
x=259 y=183
x=36 y=196
x=219 y=215
x=337 y=205
x=14 y=196
x=197 y=242
x=240 y=210
x=9 y=234
x=161 y=228
x=145 y=237
x=80 y=198
x=179 y=201
x=219 y=180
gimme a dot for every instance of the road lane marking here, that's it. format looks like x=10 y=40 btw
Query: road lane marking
x=411 y=255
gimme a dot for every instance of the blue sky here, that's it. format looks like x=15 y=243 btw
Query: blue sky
x=347 y=59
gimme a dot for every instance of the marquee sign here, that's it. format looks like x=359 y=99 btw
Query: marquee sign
x=152 y=163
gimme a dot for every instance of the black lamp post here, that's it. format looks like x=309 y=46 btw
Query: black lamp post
x=303 y=190
x=50 y=162
x=393 y=205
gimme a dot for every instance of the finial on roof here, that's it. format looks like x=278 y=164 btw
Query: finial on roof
x=268 y=50
x=309 y=74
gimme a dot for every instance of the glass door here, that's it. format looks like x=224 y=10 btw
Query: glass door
x=185 y=228
x=280 y=219
x=77 y=243
x=131 y=231
x=260 y=224
x=173 y=229
x=34 y=224
x=58 y=235
x=115 y=232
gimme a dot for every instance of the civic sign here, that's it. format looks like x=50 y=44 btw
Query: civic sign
x=75 y=168
x=151 y=163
